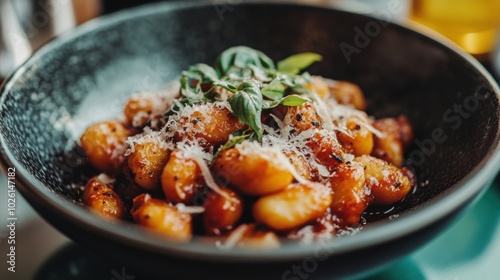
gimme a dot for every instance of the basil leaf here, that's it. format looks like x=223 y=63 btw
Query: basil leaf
x=274 y=90
x=227 y=85
x=202 y=73
x=236 y=58
x=260 y=74
x=193 y=79
x=246 y=104
x=297 y=62
x=191 y=89
x=290 y=100
x=293 y=100
x=295 y=82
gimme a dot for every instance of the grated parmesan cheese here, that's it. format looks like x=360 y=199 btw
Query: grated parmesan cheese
x=235 y=237
x=103 y=177
x=189 y=209
x=148 y=136
x=194 y=151
x=272 y=154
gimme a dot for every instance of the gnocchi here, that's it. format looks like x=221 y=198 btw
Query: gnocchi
x=292 y=207
x=103 y=200
x=247 y=154
x=103 y=144
x=162 y=218
x=241 y=169
x=147 y=162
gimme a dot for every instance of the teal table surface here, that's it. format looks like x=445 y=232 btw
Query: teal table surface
x=469 y=249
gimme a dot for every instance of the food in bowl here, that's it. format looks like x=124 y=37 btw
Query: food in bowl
x=247 y=151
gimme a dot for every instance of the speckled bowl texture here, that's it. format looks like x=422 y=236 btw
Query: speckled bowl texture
x=86 y=75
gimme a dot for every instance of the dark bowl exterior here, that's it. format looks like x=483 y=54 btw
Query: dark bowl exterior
x=86 y=75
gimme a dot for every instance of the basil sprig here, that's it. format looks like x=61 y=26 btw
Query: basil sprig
x=253 y=81
x=236 y=59
x=194 y=78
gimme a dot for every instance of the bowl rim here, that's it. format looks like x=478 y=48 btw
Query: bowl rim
x=46 y=202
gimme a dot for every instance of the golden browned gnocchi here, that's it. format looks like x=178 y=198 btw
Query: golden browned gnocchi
x=253 y=172
x=210 y=128
x=388 y=184
x=293 y=207
x=222 y=211
x=162 y=218
x=181 y=178
x=146 y=163
x=397 y=134
x=350 y=193
x=349 y=94
x=143 y=108
x=302 y=117
x=104 y=145
x=356 y=139
x=247 y=154
x=102 y=199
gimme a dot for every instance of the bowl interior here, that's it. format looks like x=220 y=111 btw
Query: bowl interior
x=87 y=75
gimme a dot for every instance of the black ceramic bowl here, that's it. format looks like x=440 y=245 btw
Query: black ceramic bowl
x=86 y=75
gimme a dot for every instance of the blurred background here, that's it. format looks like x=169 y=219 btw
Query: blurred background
x=25 y=25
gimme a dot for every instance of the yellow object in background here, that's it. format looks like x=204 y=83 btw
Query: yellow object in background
x=472 y=24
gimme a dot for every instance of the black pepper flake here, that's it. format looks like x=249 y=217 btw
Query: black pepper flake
x=338 y=158
x=195 y=120
x=298 y=117
x=358 y=127
x=397 y=184
x=315 y=123
x=176 y=177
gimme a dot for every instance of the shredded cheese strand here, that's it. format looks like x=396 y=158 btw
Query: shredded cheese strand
x=235 y=236
x=189 y=209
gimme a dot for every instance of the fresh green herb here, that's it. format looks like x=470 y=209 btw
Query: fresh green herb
x=202 y=73
x=297 y=83
x=193 y=79
x=236 y=138
x=274 y=90
x=297 y=62
x=289 y=100
x=246 y=104
x=253 y=81
x=191 y=90
x=226 y=85
x=234 y=59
